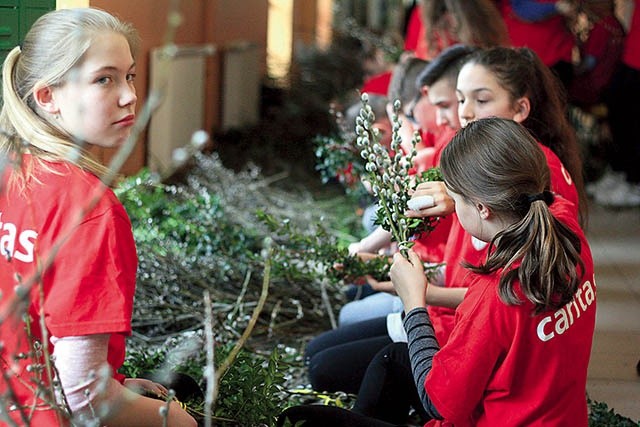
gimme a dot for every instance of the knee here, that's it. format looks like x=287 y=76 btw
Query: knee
x=396 y=353
x=318 y=344
x=351 y=312
x=320 y=373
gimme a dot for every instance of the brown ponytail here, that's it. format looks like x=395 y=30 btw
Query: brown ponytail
x=498 y=163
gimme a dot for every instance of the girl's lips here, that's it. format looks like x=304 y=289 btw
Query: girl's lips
x=127 y=121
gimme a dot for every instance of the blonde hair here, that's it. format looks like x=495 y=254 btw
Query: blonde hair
x=53 y=47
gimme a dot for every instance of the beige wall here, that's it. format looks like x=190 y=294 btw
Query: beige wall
x=219 y=22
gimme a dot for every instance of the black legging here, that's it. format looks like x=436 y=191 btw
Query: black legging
x=338 y=359
x=388 y=389
x=387 y=393
x=321 y=416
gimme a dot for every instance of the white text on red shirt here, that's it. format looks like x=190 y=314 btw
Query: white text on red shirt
x=562 y=319
x=16 y=245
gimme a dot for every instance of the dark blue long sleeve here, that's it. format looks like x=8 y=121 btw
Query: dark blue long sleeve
x=532 y=10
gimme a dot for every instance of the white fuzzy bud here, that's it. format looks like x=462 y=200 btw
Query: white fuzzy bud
x=179 y=156
x=199 y=139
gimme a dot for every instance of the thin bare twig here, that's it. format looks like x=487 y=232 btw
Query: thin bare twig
x=254 y=317
x=209 y=371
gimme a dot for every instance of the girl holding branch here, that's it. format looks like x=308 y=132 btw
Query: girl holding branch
x=521 y=344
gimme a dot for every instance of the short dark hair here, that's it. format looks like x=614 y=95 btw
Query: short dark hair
x=445 y=65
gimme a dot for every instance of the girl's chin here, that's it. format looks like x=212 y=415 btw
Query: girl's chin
x=112 y=142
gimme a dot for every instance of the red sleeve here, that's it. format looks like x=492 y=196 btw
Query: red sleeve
x=378 y=84
x=463 y=367
x=94 y=276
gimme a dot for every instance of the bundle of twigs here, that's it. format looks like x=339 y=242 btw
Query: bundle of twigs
x=205 y=234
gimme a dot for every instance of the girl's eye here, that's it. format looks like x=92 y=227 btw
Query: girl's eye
x=103 y=80
x=131 y=77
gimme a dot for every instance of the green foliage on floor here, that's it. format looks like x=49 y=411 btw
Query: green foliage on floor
x=206 y=231
x=600 y=415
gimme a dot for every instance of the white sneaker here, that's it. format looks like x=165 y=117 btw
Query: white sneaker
x=624 y=195
x=607 y=182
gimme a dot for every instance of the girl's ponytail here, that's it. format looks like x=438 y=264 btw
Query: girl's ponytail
x=10 y=98
x=496 y=162
x=54 y=45
x=541 y=253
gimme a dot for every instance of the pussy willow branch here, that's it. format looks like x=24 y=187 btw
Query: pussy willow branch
x=387 y=174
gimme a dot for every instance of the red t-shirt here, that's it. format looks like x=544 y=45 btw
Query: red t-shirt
x=378 y=84
x=431 y=246
x=631 y=53
x=549 y=38
x=462 y=246
x=88 y=288
x=414 y=27
x=504 y=366
x=444 y=137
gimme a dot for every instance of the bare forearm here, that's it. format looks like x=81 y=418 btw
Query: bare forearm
x=445 y=297
x=134 y=410
x=91 y=391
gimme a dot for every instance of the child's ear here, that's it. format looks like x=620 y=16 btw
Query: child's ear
x=483 y=210
x=43 y=96
x=523 y=108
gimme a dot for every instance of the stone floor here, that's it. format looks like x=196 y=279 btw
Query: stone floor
x=614 y=236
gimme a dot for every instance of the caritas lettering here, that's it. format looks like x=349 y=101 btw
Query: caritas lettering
x=564 y=318
x=14 y=244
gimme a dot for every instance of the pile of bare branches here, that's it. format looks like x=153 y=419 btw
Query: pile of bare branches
x=206 y=233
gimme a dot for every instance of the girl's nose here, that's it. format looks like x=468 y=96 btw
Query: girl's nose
x=128 y=96
x=464 y=112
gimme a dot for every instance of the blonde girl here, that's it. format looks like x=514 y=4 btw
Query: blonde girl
x=68 y=265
